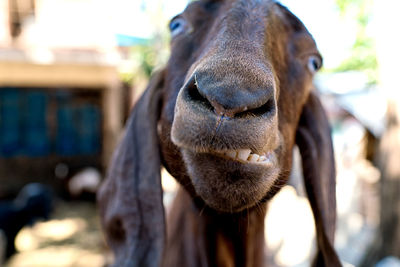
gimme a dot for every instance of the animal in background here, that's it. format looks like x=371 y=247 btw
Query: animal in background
x=32 y=203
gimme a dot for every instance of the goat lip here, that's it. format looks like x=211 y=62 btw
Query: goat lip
x=244 y=156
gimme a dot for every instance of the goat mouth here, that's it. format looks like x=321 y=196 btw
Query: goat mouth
x=230 y=181
x=248 y=157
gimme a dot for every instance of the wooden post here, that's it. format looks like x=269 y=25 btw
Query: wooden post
x=387 y=240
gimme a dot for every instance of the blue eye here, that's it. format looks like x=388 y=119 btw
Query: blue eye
x=176 y=26
x=314 y=63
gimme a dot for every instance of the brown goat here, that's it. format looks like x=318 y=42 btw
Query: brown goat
x=223 y=118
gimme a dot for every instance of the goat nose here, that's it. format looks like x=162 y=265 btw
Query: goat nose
x=232 y=96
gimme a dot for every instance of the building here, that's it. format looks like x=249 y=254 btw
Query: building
x=60 y=94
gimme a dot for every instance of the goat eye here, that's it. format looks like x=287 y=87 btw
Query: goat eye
x=314 y=63
x=176 y=26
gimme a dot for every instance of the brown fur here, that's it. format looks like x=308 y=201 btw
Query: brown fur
x=237 y=78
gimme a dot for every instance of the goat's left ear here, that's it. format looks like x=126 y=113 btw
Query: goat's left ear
x=313 y=138
x=130 y=199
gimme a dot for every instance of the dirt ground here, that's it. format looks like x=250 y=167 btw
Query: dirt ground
x=72 y=237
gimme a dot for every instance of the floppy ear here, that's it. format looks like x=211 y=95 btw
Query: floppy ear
x=314 y=141
x=130 y=199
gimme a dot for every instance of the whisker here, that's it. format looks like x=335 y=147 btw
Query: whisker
x=202 y=209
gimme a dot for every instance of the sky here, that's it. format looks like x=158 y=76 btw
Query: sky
x=131 y=20
x=333 y=34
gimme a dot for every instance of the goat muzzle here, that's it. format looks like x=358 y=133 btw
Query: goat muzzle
x=225 y=118
x=240 y=140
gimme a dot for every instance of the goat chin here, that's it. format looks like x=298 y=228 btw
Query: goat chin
x=222 y=117
x=228 y=185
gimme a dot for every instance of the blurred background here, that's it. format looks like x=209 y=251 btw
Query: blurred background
x=70 y=71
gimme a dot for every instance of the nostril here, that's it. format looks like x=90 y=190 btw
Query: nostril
x=264 y=109
x=196 y=97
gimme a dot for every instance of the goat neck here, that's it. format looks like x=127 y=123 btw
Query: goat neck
x=200 y=237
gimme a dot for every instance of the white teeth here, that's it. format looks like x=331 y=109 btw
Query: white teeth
x=231 y=154
x=243 y=154
x=248 y=156
x=253 y=158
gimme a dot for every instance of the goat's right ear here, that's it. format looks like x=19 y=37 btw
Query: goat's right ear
x=130 y=199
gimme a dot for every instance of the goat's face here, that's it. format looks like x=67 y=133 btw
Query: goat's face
x=235 y=97
x=238 y=77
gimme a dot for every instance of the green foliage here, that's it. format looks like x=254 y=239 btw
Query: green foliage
x=363 y=53
x=363 y=58
x=152 y=53
x=345 y=5
x=146 y=58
